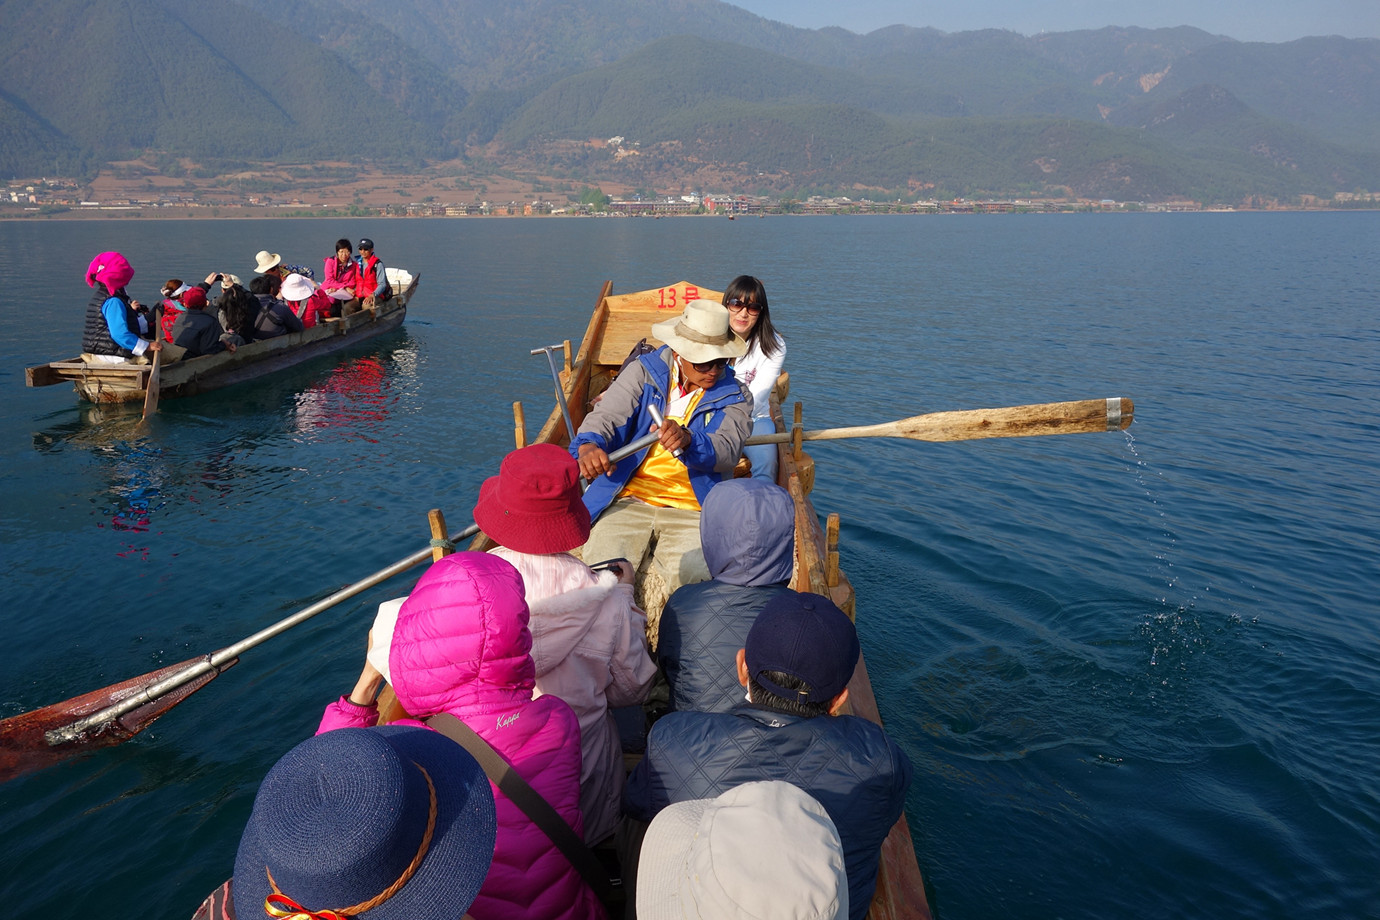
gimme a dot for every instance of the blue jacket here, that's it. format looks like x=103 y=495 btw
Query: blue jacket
x=747 y=531
x=848 y=764
x=718 y=426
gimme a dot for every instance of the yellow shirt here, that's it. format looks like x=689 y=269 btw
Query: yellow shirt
x=662 y=480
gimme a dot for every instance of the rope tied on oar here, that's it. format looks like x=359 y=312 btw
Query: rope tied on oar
x=442 y=543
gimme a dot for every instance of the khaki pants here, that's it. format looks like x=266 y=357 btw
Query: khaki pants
x=631 y=530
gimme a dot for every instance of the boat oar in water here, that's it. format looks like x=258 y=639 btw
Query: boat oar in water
x=118 y=712
x=151 y=388
x=113 y=714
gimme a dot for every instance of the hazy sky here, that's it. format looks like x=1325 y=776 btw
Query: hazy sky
x=1247 y=20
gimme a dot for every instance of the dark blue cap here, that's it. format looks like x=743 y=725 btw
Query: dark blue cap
x=808 y=637
x=366 y=243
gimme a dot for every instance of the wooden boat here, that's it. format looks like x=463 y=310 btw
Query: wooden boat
x=122 y=383
x=620 y=322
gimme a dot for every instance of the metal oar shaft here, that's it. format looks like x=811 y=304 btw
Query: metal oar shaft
x=216 y=660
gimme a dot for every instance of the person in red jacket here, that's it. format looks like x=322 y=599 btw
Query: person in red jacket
x=372 y=287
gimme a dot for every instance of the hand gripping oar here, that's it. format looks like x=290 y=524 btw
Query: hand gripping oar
x=65 y=728
x=1076 y=417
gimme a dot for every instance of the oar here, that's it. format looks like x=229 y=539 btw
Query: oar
x=1076 y=417
x=151 y=392
x=35 y=739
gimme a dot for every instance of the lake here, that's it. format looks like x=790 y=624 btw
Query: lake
x=1138 y=672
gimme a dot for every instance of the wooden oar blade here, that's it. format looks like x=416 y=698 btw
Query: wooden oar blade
x=151 y=392
x=1080 y=416
x=24 y=747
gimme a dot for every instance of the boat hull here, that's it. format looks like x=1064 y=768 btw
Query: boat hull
x=128 y=383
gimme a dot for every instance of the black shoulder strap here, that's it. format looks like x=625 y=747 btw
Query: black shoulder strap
x=502 y=775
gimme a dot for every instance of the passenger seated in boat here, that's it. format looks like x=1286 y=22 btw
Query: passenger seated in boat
x=270 y=263
x=747 y=531
x=461 y=645
x=758 y=850
x=307 y=302
x=170 y=306
x=238 y=310
x=111 y=334
x=649 y=503
x=750 y=317
x=275 y=318
x=367 y=824
x=196 y=330
x=589 y=639
x=372 y=287
x=798 y=659
x=342 y=276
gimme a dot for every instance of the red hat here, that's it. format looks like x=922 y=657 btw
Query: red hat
x=534 y=505
x=194 y=298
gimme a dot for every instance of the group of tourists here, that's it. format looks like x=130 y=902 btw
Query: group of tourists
x=280 y=299
x=754 y=795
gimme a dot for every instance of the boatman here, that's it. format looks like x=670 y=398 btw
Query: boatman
x=111 y=334
x=799 y=658
x=649 y=503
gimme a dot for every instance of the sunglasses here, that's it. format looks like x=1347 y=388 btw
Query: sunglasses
x=737 y=305
x=705 y=367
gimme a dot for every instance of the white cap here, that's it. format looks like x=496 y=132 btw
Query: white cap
x=765 y=851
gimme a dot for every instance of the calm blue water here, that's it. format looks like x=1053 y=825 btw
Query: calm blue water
x=1138 y=673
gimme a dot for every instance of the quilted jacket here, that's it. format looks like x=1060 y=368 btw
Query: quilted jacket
x=848 y=764
x=747 y=530
x=461 y=645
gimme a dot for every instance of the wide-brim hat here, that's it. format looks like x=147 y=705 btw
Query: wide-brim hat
x=266 y=260
x=296 y=287
x=340 y=818
x=534 y=504
x=701 y=333
x=763 y=850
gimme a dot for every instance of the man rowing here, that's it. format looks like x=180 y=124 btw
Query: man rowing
x=650 y=502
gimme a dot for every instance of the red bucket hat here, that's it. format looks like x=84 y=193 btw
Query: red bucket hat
x=533 y=505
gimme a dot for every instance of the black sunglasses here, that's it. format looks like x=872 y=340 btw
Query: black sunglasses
x=705 y=367
x=743 y=305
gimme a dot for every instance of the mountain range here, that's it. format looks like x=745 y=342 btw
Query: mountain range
x=700 y=92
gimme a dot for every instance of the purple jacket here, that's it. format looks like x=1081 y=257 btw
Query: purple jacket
x=462 y=646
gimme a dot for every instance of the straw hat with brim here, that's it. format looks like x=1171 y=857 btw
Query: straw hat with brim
x=701 y=333
x=296 y=287
x=533 y=505
x=346 y=815
x=266 y=260
x=763 y=850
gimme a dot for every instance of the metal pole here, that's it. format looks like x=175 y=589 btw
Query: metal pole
x=560 y=392
x=215 y=661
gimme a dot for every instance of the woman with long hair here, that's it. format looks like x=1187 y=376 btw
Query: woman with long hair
x=750 y=317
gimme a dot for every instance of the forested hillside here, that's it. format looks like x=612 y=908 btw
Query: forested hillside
x=696 y=87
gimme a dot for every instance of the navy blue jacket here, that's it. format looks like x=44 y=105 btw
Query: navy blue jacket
x=747 y=531
x=848 y=764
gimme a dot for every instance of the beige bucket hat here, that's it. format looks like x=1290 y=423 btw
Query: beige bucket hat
x=266 y=260
x=701 y=333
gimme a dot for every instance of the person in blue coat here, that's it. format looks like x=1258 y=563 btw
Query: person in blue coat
x=800 y=654
x=649 y=503
x=747 y=532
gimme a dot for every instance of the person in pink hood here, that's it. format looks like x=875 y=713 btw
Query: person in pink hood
x=461 y=645
x=589 y=639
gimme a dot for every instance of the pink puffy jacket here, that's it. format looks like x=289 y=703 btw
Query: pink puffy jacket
x=462 y=646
